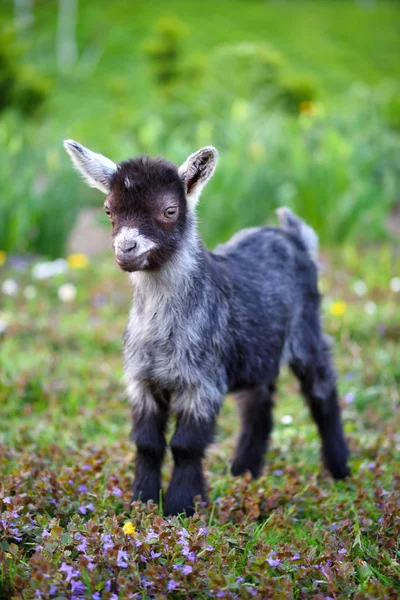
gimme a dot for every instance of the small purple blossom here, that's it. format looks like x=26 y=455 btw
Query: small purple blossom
x=172 y=585
x=53 y=590
x=106 y=537
x=116 y=491
x=83 y=510
x=342 y=551
x=82 y=489
x=90 y=506
x=295 y=556
x=96 y=596
x=107 y=585
x=7 y=500
x=187 y=569
x=240 y=580
x=69 y=571
x=45 y=533
x=155 y=554
x=122 y=560
x=349 y=397
x=273 y=562
x=15 y=533
x=86 y=467
x=77 y=587
x=151 y=535
x=82 y=545
x=203 y=531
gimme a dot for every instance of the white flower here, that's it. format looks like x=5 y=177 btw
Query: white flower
x=67 y=292
x=44 y=270
x=370 y=308
x=3 y=325
x=30 y=292
x=10 y=287
x=395 y=284
x=287 y=420
x=360 y=288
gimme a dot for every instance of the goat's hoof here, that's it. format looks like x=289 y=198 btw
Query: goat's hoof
x=239 y=467
x=339 y=471
x=181 y=501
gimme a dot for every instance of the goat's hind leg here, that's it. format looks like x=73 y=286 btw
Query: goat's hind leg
x=312 y=365
x=255 y=407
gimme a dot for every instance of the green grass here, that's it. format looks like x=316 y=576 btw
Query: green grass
x=293 y=533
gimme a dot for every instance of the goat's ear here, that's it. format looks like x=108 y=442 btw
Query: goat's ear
x=195 y=172
x=96 y=169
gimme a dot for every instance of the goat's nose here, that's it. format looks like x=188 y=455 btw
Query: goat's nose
x=127 y=247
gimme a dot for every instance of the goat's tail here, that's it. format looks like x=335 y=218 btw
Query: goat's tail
x=289 y=222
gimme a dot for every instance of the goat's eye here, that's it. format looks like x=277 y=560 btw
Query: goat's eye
x=108 y=211
x=170 y=212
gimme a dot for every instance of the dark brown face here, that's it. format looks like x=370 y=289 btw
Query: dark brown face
x=147 y=208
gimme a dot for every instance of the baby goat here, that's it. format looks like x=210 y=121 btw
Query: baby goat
x=203 y=323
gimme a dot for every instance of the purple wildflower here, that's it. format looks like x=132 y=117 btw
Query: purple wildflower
x=187 y=569
x=155 y=554
x=113 y=597
x=53 y=590
x=240 y=580
x=151 y=535
x=172 y=585
x=86 y=467
x=122 y=560
x=273 y=562
x=342 y=551
x=82 y=489
x=45 y=533
x=96 y=596
x=90 y=506
x=77 y=587
x=7 y=500
x=116 y=491
x=295 y=556
x=69 y=571
x=349 y=397
x=107 y=586
x=203 y=531
x=210 y=548
x=106 y=537
x=15 y=534
x=82 y=509
x=82 y=545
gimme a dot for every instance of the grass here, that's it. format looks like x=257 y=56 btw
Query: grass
x=66 y=463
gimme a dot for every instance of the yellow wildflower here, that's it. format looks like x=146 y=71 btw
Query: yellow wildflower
x=3 y=257
x=77 y=261
x=337 y=308
x=307 y=107
x=129 y=528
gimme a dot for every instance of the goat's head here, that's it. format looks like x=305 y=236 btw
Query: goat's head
x=147 y=201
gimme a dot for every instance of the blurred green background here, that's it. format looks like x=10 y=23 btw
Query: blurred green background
x=302 y=99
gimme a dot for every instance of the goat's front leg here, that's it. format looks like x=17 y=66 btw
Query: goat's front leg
x=188 y=445
x=150 y=413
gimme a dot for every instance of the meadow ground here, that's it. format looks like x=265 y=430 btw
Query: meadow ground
x=68 y=528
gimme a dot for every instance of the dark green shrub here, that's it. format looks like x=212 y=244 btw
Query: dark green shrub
x=297 y=92
x=246 y=71
x=164 y=50
x=21 y=86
